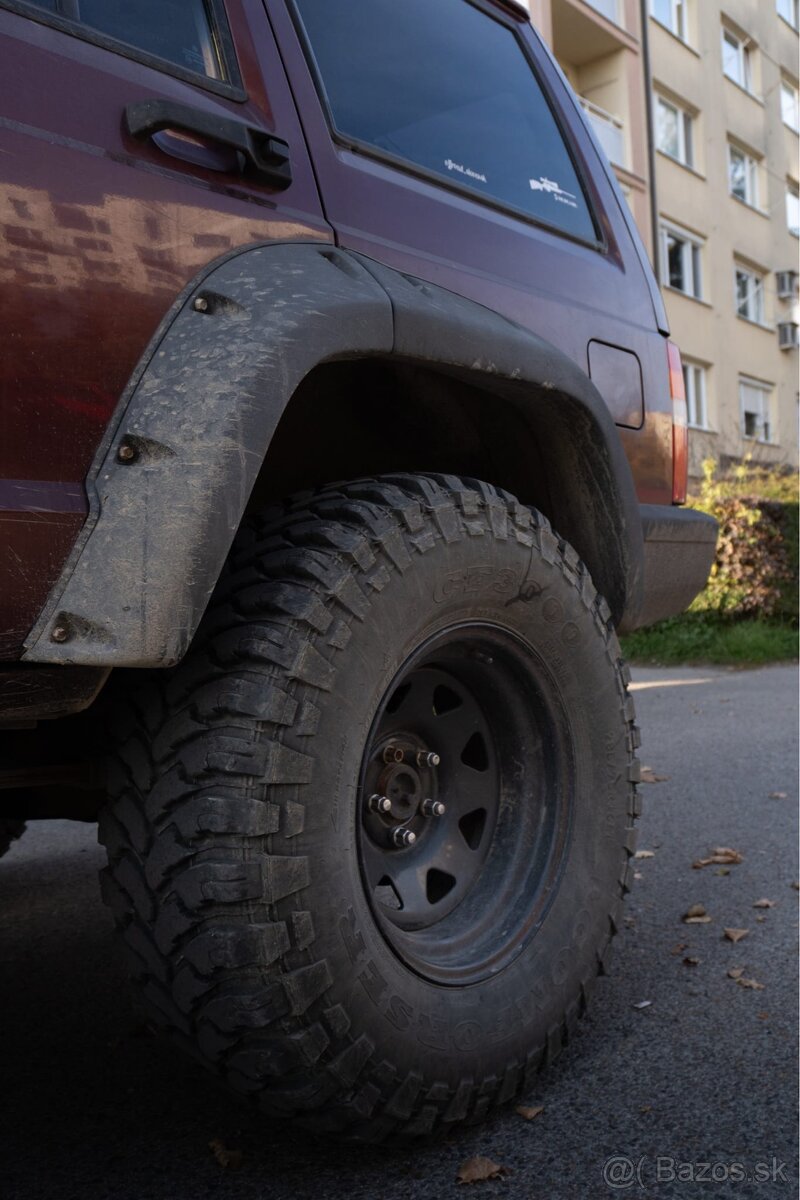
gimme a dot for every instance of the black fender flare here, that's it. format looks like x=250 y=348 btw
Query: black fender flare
x=172 y=478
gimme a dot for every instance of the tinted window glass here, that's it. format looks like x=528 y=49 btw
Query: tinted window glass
x=180 y=31
x=447 y=88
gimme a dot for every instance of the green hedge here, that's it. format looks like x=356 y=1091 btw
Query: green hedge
x=755 y=571
x=747 y=613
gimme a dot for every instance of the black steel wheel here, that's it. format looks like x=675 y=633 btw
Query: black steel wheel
x=367 y=844
x=465 y=799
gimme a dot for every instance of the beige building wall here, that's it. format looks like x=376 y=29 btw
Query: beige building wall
x=740 y=365
x=743 y=386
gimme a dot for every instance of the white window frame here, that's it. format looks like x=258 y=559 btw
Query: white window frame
x=764 y=427
x=750 y=196
x=744 y=59
x=793 y=208
x=754 y=300
x=685 y=126
x=694 y=378
x=691 y=260
x=790 y=105
x=677 y=18
x=788 y=11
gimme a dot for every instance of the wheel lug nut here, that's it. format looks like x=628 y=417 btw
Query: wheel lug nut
x=427 y=758
x=403 y=837
x=379 y=804
x=433 y=808
x=393 y=754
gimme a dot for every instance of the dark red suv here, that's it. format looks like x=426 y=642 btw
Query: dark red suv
x=339 y=434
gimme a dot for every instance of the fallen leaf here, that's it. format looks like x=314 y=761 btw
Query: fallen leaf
x=476 y=1169
x=777 y=795
x=722 y=854
x=530 y=1114
x=679 y=948
x=736 y=972
x=753 y=984
x=764 y=904
x=649 y=776
x=763 y=1016
x=735 y=935
x=646 y=1108
x=722 y=871
x=696 y=915
x=733 y=856
x=229 y=1159
x=644 y=854
x=642 y=1004
x=690 y=960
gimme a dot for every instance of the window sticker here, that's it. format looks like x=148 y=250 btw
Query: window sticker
x=543 y=184
x=468 y=171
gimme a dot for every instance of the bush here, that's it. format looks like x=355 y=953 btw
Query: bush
x=747 y=613
x=755 y=571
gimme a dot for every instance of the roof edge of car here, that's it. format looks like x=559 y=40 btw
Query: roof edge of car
x=517 y=7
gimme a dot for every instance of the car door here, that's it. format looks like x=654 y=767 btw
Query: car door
x=124 y=169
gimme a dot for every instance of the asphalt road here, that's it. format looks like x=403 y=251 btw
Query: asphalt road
x=92 y=1106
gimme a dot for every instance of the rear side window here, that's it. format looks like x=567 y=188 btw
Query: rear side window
x=445 y=87
x=182 y=32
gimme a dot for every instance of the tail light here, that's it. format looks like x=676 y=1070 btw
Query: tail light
x=680 y=425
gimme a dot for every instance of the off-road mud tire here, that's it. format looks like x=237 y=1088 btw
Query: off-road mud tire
x=231 y=828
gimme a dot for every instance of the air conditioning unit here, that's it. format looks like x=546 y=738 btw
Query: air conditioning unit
x=788 y=335
x=787 y=284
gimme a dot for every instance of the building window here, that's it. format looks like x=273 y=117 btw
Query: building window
x=793 y=209
x=694 y=379
x=750 y=295
x=742 y=176
x=755 y=402
x=674 y=132
x=672 y=14
x=736 y=58
x=788 y=10
x=681 y=262
x=790 y=106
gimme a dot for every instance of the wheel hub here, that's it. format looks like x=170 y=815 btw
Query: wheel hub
x=400 y=790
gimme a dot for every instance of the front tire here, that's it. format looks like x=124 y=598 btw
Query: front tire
x=280 y=921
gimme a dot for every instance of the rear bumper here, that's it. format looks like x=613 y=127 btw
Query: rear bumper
x=679 y=546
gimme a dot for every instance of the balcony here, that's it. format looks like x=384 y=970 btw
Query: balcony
x=610 y=132
x=585 y=31
x=608 y=8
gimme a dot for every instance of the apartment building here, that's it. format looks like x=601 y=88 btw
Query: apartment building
x=725 y=120
x=725 y=107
